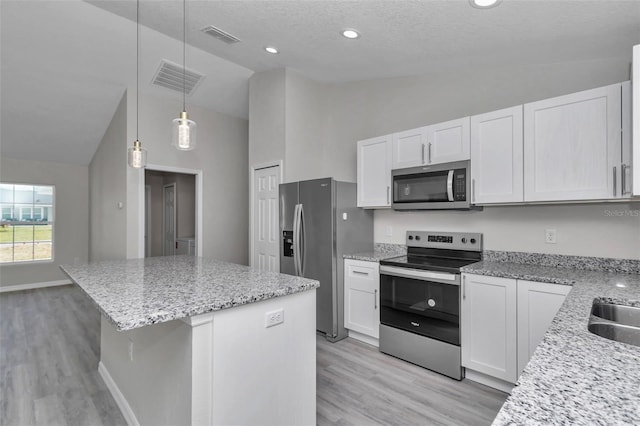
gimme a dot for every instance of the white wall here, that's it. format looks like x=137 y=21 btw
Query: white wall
x=107 y=181
x=71 y=228
x=221 y=154
x=266 y=117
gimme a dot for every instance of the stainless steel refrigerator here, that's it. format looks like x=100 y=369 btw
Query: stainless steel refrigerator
x=319 y=222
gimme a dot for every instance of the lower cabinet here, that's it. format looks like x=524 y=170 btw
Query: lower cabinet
x=503 y=320
x=488 y=327
x=538 y=303
x=362 y=300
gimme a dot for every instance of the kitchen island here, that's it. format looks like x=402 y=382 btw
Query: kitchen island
x=188 y=340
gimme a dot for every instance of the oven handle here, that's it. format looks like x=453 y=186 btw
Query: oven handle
x=439 y=277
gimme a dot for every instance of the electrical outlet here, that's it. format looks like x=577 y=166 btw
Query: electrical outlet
x=550 y=236
x=389 y=231
x=274 y=318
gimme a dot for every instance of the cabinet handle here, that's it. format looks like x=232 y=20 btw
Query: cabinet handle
x=473 y=190
x=614 y=181
x=623 y=179
x=423 y=153
x=464 y=287
x=429 y=152
x=388 y=190
x=375 y=299
x=360 y=273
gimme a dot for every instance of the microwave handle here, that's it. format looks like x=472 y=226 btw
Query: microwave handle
x=450 y=185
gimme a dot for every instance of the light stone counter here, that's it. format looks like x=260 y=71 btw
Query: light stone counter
x=574 y=376
x=139 y=292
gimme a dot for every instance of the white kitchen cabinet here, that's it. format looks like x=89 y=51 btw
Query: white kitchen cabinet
x=374 y=172
x=434 y=144
x=448 y=141
x=496 y=157
x=409 y=148
x=572 y=146
x=488 y=330
x=362 y=299
x=538 y=304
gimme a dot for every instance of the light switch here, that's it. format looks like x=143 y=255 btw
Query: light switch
x=344 y=216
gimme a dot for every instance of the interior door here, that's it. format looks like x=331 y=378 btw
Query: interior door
x=169 y=220
x=316 y=197
x=266 y=241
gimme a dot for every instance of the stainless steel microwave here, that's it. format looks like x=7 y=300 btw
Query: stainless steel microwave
x=441 y=186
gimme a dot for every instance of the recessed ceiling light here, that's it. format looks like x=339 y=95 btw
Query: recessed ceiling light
x=484 y=4
x=271 y=49
x=350 y=33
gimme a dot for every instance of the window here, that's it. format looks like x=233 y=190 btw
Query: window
x=26 y=226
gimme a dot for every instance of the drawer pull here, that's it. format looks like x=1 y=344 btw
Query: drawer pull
x=415 y=324
x=360 y=273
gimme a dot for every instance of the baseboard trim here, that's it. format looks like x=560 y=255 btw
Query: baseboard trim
x=124 y=406
x=31 y=286
x=486 y=380
x=364 y=338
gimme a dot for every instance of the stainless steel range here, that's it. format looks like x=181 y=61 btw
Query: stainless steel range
x=420 y=299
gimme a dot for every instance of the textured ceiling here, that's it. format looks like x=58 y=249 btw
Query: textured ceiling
x=398 y=37
x=66 y=64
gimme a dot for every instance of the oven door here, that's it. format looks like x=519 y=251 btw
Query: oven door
x=421 y=302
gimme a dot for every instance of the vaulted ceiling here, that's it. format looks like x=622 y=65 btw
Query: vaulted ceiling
x=66 y=64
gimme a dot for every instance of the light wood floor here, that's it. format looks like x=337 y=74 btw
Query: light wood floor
x=50 y=348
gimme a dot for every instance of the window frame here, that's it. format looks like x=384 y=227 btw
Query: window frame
x=20 y=222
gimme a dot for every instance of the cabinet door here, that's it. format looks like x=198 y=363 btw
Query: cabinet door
x=572 y=146
x=489 y=326
x=496 y=157
x=538 y=304
x=362 y=299
x=409 y=148
x=448 y=141
x=374 y=172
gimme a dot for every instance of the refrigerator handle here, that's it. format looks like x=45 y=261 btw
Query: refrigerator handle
x=303 y=240
x=295 y=240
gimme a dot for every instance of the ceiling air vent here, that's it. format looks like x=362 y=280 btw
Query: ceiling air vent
x=169 y=75
x=220 y=35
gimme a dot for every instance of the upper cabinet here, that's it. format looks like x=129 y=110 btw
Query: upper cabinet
x=496 y=157
x=448 y=141
x=435 y=144
x=374 y=172
x=409 y=148
x=572 y=146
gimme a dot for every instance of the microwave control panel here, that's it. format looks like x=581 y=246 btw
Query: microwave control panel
x=460 y=185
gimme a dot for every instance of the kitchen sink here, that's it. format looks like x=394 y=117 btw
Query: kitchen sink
x=615 y=322
x=621 y=314
x=617 y=332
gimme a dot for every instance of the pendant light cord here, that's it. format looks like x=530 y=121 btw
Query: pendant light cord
x=137 y=67
x=184 y=54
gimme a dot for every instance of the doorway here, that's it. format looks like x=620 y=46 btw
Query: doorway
x=170 y=213
x=265 y=219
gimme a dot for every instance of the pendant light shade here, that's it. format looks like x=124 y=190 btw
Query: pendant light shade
x=184 y=130
x=136 y=155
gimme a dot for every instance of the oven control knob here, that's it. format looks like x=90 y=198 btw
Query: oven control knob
x=417 y=237
x=464 y=241
x=473 y=241
x=411 y=237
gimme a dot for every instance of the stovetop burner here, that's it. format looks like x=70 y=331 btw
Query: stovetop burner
x=439 y=251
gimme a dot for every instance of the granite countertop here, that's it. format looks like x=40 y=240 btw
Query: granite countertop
x=139 y=292
x=574 y=376
x=380 y=251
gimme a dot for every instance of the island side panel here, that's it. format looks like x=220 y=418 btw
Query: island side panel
x=155 y=382
x=262 y=375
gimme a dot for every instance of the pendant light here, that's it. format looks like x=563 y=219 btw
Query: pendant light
x=136 y=155
x=184 y=130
